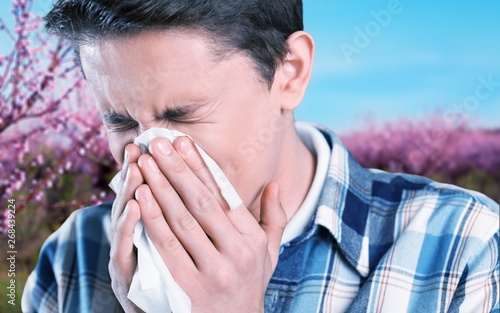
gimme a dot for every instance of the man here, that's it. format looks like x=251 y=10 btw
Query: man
x=315 y=233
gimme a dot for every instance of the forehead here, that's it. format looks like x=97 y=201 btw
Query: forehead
x=175 y=50
x=166 y=68
x=177 y=60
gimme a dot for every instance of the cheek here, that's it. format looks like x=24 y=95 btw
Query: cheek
x=117 y=152
x=117 y=144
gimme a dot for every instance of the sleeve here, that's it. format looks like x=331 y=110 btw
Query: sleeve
x=478 y=288
x=447 y=259
x=72 y=270
x=41 y=290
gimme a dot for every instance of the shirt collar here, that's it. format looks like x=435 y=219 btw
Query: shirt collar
x=317 y=144
x=344 y=203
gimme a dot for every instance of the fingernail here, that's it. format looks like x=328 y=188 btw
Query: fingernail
x=163 y=147
x=185 y=147
x=152 y=165
x=146 y=195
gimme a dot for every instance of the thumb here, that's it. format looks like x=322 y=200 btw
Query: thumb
x=272 y=219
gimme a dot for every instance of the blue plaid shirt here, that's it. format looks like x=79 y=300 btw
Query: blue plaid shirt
x=379 y=242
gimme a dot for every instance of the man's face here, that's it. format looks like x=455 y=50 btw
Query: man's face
x=172 y=80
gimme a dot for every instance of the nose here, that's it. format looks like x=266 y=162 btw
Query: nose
x=142 y=129
x=155 y=124
x=143 y=147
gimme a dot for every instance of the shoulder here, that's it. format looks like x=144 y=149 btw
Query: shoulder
x=93 y=221
x=94 y=214
x=90 y=222
x=429 y=206
x=75 y=257
x=381 y=205
x=408 y=235
x=442 y=238
x=369 y=210
x=430 y=221
x=85 y=232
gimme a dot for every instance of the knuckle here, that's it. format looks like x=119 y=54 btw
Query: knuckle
x=134 y=174
x=246 y=261
x=156 y=216
x=223 y=280
x=206 y=201
x=163 y=184
x=187 y=222
x=178 y=166
x=197 y=164
x=169 y=243
x=152 y=214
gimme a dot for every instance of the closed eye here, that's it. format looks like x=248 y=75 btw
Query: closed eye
x=119 y=123
x=183 y=114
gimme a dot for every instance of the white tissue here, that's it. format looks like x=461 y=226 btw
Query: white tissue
x=153 y=288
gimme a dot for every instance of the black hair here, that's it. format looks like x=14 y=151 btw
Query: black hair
x=258 y=28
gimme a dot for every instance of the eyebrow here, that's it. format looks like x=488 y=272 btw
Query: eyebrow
x=178 y=113
x=113 y=118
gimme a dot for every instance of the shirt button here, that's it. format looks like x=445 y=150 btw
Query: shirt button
x=283 y=246
x=275 y=297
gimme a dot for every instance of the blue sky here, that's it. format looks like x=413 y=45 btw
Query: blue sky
x=384 y=60
x=428 y=58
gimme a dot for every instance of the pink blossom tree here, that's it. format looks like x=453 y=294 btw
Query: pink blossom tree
x=53 y=152
x=54 y=156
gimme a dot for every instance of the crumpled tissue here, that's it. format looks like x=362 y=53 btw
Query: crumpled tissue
x=153 y=288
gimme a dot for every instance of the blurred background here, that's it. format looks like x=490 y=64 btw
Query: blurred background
x=410 y=86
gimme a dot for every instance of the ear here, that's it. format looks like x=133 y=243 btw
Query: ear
x=294 y=73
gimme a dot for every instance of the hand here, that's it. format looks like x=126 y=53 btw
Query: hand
x=222 y=259
x=124 y=216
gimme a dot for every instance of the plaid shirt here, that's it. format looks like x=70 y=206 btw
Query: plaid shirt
x=378 y=242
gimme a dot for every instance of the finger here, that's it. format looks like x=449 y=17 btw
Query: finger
x=123 y=260
x=126 y=162
x=168 y=245
x=198 y=199
x=132 y=181
x=131 y=155
x=272 y=219
x=188 y=151
x=122 y=255
x=182 y=223
x=240 y=219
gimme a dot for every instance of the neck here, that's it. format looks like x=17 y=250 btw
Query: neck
x=295 y=174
